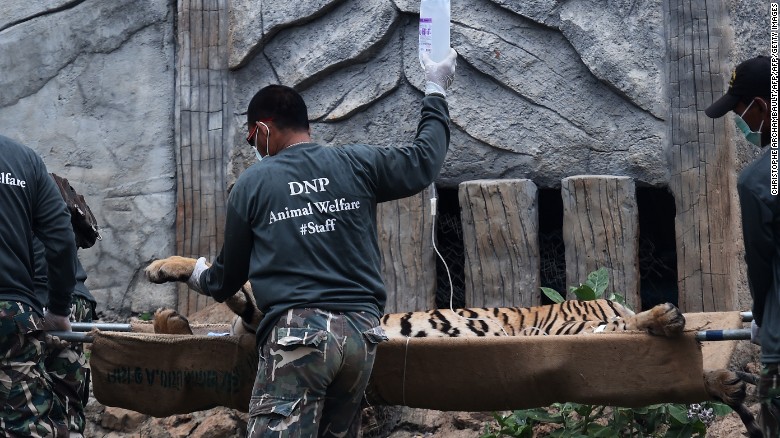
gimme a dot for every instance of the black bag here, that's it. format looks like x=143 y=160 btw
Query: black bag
x=84 y=224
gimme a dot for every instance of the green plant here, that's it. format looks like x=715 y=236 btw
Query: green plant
x=593 y=289
x=572 y=420
x=510 y=425
x=146 y=316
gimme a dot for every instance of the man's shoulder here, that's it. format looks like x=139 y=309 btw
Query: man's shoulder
x=756 y=178
x=8 y=142
x=254 y=177
x=12 y=148
x=20 y=166
x=757 y=171
x=346 y=148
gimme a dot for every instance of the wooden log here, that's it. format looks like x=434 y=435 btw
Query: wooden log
x=201 y=112
x=404 y=230
x=701 y=158
x=501 y=243
x=601 y=229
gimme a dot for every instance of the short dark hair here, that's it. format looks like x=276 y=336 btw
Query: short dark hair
x=281 y=104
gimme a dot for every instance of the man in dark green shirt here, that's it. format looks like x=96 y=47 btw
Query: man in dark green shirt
x=301 y=227
x=67 y=365
x=748 y=97
x=31 y=208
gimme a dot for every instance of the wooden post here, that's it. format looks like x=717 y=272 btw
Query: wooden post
x=601 y=228
x=501 y=243
x=201 y=118
x=701 y=157
x=404 y=230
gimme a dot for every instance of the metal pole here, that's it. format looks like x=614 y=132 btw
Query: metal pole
x=78 y=328
x=106 y=327
x=723 y=335
x=746 y=316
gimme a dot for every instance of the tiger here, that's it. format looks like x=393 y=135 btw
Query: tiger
x=176 y=268
x=571 y=317
x=567 y=318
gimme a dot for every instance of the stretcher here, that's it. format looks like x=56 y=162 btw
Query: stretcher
x=163 y=375
x=627 y=369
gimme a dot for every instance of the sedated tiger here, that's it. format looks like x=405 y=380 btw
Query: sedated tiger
x=571 y=318
x=567 y=318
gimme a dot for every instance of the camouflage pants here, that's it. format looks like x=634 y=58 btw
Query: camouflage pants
x=68 y=370
x=29 y=407
x=769 y=397
x=312 y=374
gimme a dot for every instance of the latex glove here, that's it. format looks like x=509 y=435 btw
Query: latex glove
x=194 y=281
x=439 y=75
x=754 y=338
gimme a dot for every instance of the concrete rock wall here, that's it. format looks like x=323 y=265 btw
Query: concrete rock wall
x=89 y=85
x=544 y=90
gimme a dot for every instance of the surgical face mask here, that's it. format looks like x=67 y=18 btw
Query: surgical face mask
x=751 y=136
x=267 y=139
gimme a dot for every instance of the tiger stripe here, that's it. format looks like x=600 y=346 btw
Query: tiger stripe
x=569 y=317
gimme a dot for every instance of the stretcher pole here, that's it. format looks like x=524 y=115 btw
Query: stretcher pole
x=106 y=327
x=72 y=336
x=723 y=335
x=79 y=328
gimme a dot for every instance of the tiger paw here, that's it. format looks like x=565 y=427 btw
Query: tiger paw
x=173 y=268
x=170 y=322
x=665 y=320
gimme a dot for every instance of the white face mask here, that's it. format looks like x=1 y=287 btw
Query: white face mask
x=267 y=139
x=750 y=135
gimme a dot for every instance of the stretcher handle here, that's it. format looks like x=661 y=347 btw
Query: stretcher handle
x=72 y=336
x=79 y=328
x=105 y=326
x=723 y=335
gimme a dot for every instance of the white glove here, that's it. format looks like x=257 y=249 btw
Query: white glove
x=754 y=328
x=194 y=281
x=439 y=75
x=53 y=322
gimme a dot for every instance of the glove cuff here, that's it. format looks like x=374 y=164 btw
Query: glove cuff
x=434 y=88
x=197 y=271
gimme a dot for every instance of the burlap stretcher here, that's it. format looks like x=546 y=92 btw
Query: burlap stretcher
x=163 y=375
x=488 y=374
x=464 y=374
